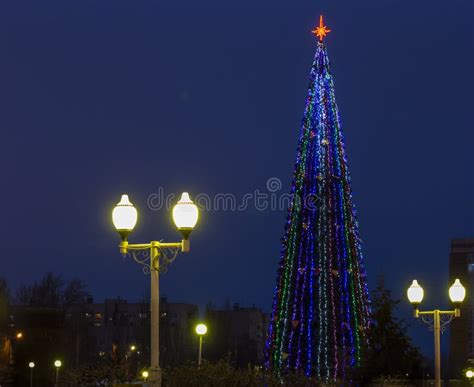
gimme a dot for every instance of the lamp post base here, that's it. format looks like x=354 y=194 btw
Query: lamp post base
x=155 y=378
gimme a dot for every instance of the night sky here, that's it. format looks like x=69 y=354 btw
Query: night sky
x=103 y=97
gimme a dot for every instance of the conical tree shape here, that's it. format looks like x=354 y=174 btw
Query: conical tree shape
x=320 y=311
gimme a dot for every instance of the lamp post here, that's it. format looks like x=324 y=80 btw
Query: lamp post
x=57 y=364
x=31 y=365
x=133 y=348
x=201 y=330
x=155 y=257
x=437 y=319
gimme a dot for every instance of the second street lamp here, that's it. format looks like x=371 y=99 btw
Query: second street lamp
x=57 y=364
x=155 y=257
x=437 y=319
x=201 y=330
x=31 y=365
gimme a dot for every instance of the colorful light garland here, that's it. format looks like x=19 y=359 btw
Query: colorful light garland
x=321 y=303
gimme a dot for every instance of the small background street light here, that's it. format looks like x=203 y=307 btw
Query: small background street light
x=201 y=330
x=469 y=374
x=437 y=319
x=57 y=364
x=145 y=375
x=19 y=335
x=31 y=365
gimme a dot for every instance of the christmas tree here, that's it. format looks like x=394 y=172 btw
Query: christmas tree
x=320 y=316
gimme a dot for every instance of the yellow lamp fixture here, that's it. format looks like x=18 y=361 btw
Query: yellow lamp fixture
x=58 y=363
x=469 y=374
x=457 y=292
x=31 y=364
x=201 y=329
x=124 y=216
x=415 y=293
x=185 y=215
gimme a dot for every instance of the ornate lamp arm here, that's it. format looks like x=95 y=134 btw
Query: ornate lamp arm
x=445 y=317
x=154 y=255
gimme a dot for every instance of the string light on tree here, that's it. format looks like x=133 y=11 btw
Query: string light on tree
x=320 y=316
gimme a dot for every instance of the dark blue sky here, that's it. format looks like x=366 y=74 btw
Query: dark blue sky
x=100 y=97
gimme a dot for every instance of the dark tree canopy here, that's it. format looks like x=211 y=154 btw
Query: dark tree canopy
x=52 y=292
x=4 y=303
x=391 y=352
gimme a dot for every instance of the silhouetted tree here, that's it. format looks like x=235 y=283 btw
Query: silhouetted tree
x=42 y=314
x=46 y=293
x=75 y=292
x=4 y=304
x=5 y=339
x=52 y=292
x=391 y=352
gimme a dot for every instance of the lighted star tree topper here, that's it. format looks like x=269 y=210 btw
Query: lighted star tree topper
x=320 y=318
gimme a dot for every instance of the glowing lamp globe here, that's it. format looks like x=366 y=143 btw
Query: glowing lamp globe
x=185 y=215
x=31 y=364
x=457 y=292
x=124 y=216
x=469 y=374
x=58 y=363
x=145 y=374
x=201 y=329
x=415 y=293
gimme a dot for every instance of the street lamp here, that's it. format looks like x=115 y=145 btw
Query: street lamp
x=31 y=365
x=57 y=364
x=155 y=257
x=19 y=335
x=201 y=330
x=469 y=374
x=437 y=319
x=145 y=375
